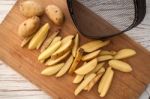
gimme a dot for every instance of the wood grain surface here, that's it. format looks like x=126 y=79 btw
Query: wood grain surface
x=143 y=83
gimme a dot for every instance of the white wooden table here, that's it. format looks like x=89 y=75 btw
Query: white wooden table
x=14 y=86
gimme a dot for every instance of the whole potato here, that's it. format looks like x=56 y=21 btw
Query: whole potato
x=55 y=14
x=31 y=8
x=29 y=26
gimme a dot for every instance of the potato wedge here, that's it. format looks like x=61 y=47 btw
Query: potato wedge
x=42 y=61
x=104 y=79
x=75 y=46
x=76 y=60
x=107 y=84
x=120 y=65
x=104 y=52
x=98 y=67
x=65 y=46
x=94 y=45
x=39 y=36
x=49 y=51
x=101 y=70
x=55 y=61
x=84 y=83
x=66 y=67
x=104 y=58
x=88 y=67
x=90 y=55
x=56 y=39
x=26 y=41
x=78 y=79
x=52 y=70
x=94 y=81
x=125 y=53
x=49 y=40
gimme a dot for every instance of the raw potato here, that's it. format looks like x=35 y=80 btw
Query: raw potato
x=88 y=67
x=55 y=14
x=125 y=53
x=98 y=67
x=78 y=79
x=39 y=36
x=104 y=79
x=66 y=67
x=26 y=41
x=104 y=58
x=65 y=46
x=52 y=70
x=29 y=27
x=90 y=55
x=56 y=39
x=107 y=84
x=76 y=61
x=84 y=83
x=75 y=46
x=31 y=8
x=49 y=51
x=94 y=81
x=55 y=61
x=103 y=52
x=101 y=70
x=94 y=45
x=120 y=65
x=49 y=40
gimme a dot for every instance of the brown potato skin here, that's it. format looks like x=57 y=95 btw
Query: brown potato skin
x=31 y=8
x=55 y=14
x=29 y=27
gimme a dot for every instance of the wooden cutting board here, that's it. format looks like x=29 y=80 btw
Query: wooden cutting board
x=24 y=61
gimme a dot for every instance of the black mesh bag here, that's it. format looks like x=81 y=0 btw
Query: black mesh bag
x=105 y=18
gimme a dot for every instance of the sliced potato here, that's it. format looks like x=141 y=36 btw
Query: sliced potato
x=56 y=39
x=104 y=79
x=90 y=55
x=94 y=45
x=98 y=67
x=42 y=61
x=49 y=51
x=75 y=46
x=104 y=58
x=66 y=67
x=88 y=67
x=55 y=61
x=84 y=83
x=65 y=46
x=76 y=60
x=52 y=70
x=125 y=53
x=39 y=36
x=101 y=70
x=49 y=40
x=104 y=52
x=107 y=84
x=94 y=81
x=78 y=79
x=26 y=41
x=120 y=65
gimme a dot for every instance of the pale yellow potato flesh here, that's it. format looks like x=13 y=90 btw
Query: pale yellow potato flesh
x=55 y=61
x=78 y=79
x=75 y=46
x=105 y=52
x=66 y=67
x=56 y=39
x=83 y=84
x=52 y=70
x=88 y=67
x=94 y=45
x=49 y=40
x=39 y=36
x=120 y=65
x=76 y=60
x=91 y=55
x=125 y=53
x=49 y=51
x=104 y=58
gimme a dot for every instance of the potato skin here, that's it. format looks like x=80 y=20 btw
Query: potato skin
x=55 y=14
x=29 y=26
x=31 y=8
